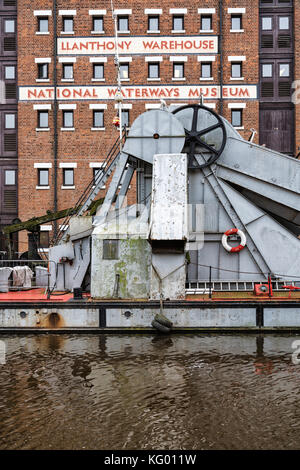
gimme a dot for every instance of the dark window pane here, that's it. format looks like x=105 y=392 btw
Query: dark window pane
x=10 y=91
x=9 y=44
x=10 y=142
x=10 y=200
x=44 y=239
x=110 y=249
x=125 y=117
x=43 y=71
x=267 y=89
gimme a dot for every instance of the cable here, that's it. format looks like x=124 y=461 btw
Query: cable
x=243 y=272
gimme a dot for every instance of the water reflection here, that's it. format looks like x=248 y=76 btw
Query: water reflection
x=149 y=392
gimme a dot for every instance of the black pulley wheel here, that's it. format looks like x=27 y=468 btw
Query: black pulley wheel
x=196 y=133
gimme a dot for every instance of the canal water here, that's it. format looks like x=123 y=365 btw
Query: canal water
x=149 y=392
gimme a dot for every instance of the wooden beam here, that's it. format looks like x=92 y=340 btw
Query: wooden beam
x=49 y=217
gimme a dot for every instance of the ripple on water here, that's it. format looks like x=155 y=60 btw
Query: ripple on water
x=149 y=392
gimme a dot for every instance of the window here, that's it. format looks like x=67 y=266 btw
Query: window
x=98 y=118
x=43 y=119
x=153 y=23
x=267 y=23
x=276 y=79
x=123 y=23
x=98 y=71
x=124 y=71
x=178 y=70
x=153 y=70
x=43 y=24
x=68 y=24
x=284 y=70
x=236 y=70
x=267 y=70
x=43 y=177
x=9 y=26
x=284 y=22
x=110 y=249
x=98 y=24
x=206 y=23
x=236 y=22
x=96 y=174
x=43 y=71
x=68 y=176
x=206 y=70
x=178 y=22
x=68 y=119
x=10 y=177
x=237 y=117
x=44 y=239
x=10 y=121
x=10 y=82
x=125 y=117
x=68 y=72
x=10 y=72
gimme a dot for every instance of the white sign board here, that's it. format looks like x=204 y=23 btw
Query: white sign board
x=138 y=45
x=103 y=92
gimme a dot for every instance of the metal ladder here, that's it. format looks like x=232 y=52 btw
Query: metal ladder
x=92 y=189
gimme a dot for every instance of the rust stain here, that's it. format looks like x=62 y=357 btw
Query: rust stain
x=53 y=321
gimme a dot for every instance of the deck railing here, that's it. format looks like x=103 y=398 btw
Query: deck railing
x=23 y=274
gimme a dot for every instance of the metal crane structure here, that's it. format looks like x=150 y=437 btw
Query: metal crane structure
x=211 y=207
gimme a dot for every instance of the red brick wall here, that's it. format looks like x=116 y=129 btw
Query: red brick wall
x=83 y=145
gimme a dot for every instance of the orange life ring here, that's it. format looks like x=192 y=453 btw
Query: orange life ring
x=236 y=249
x=116 y=121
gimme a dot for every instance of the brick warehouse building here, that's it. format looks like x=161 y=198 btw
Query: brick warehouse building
x=240 y=54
